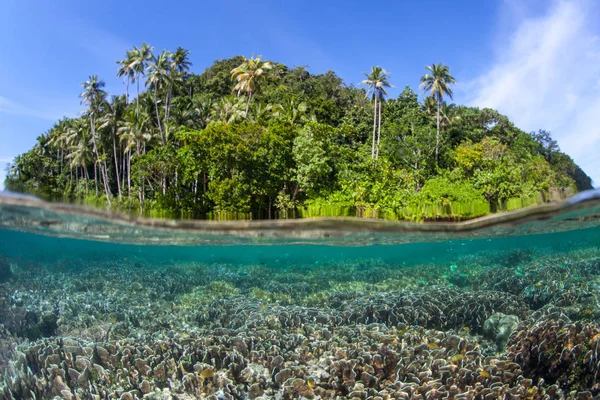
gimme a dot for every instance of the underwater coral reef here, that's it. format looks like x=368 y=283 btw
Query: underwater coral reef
x=511 y=325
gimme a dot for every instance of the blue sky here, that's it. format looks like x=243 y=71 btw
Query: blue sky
x=537 y=61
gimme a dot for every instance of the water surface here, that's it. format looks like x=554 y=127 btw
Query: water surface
x=96 y=305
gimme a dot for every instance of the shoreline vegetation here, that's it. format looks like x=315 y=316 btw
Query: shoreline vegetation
x=254 y=139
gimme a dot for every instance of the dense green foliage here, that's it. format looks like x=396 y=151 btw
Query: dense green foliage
x=249 y=135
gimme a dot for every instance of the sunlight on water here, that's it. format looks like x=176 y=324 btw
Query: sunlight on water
x=93 y=304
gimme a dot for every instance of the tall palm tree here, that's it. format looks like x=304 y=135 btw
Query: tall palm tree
x=94 y=97
x=113 y=114
x=249 y=76
x=80 y=154
x=437 y=83
x=133 y=130
x=377 y=81
x=179 y=66
x=448 y=116
x=139 y=62
x=58 y=139
x=127 y=70
x=180 y=60
x=158 y=76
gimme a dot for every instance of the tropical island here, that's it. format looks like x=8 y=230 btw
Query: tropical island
x=251 y=137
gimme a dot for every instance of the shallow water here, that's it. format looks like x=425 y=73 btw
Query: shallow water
x=93 y=304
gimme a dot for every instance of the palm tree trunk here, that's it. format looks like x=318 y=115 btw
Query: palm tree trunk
x=129 y=173
x=61 y=157
x=374 y=126
x=137 y=99
x=104 y=176
x=168 y=104
x=167 y=112
x=96 y=177
x=158 y=115
x=87 y=177
x=102 y=172
x=104 y=167
x=116 y=163
x=437 y=137
x=378 y=131
x=123 y=166
x=248 y=104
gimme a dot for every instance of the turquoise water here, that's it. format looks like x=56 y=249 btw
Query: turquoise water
x=100 y=306
x=51 y=249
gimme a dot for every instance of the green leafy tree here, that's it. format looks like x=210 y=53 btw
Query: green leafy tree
x=312 y=160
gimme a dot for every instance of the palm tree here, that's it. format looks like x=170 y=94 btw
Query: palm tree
x=227 y=110
x=94 y=97
x=201 y=110
x=113 y=114
x=263 y=112
x=58 y=138
x=133 y=130
x=377 y=81
x=179 y=66
x=180 y=60
x=448 y=116
x=159 y=76
x=437 y=83
x=249 y=76
x=139 y=61
x=429 y=106
x=293 y=112
x=127 y=70
x=80 y=154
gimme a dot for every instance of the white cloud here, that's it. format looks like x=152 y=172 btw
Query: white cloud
x=546 y=77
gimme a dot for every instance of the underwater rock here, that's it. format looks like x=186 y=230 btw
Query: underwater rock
x=498 y=327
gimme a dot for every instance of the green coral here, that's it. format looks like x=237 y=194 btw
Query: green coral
x=272 y=297
x=203 y=295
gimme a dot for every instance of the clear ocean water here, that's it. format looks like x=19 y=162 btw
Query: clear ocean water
x=101 y=306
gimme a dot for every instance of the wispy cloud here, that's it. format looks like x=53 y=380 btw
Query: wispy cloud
x=11 y=107
x=547 y=76
x=5 y=160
